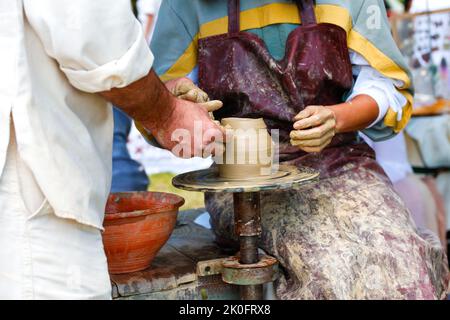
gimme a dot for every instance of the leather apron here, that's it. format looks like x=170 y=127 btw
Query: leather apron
x=238 y=69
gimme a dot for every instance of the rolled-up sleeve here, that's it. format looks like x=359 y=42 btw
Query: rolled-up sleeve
x=99 y=45
x=382 y=89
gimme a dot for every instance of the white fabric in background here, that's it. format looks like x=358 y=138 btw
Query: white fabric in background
x=433 y=137
x=392 y=155
x=53 y=56
x=43 y=256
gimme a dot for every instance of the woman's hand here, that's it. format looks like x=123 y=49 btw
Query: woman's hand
x=314 y=128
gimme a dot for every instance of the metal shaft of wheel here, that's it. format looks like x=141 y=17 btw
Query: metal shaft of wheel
x=247 y=215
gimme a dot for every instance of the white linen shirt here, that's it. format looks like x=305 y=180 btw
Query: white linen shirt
x=54 y=55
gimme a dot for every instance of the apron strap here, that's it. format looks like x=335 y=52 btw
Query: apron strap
x=234 y=11
x=306 y=8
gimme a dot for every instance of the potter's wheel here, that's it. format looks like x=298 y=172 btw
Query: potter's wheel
x=248 y=269
x=208 y=180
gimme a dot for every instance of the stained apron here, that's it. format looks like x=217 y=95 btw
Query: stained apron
x=350 y=235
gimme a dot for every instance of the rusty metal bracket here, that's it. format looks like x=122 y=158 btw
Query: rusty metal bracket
x=209 y=267
x=233 y=272
x=264 y=271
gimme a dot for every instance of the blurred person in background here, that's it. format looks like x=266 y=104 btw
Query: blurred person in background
x=128 y=174
x=148 y=14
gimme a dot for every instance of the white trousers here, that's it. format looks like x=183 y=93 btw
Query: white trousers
x=43 y=256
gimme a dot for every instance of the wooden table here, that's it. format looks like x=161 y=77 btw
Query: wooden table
x=173 y=274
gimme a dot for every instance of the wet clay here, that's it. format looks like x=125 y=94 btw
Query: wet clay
x=249 y=150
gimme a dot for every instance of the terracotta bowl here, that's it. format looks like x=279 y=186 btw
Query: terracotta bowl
x=137 y=225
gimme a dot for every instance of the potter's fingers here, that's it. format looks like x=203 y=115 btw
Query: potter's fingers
x=214 y=149
x=202 y=96
x=197 y=149
x=183 y=86
x=212 y=106
x=191 y=95
x=326 y=143
x=219 y=148
x=208 y=151
x=189 y=88
x=314 y=133
x=213 y=134
x=306 y=113
x=324 y=140
x=183 y=150
x=179 y=86
x=195 y=95
x=314 y=120
x=310 y=122
x=303 y=115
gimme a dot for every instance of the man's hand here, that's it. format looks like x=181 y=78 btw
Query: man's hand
x=149 y=102
x=185 y=89
x=189 y=131
x=314 y=128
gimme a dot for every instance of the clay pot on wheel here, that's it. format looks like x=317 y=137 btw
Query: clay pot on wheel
x=249 y=153
x=137 y=225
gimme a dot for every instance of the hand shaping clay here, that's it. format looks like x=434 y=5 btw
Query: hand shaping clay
x=249 y=149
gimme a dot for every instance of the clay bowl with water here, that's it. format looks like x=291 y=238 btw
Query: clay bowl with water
x=137 y=225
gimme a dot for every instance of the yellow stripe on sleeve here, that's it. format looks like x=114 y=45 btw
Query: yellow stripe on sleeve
x=387 y=67
x=390 y=120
